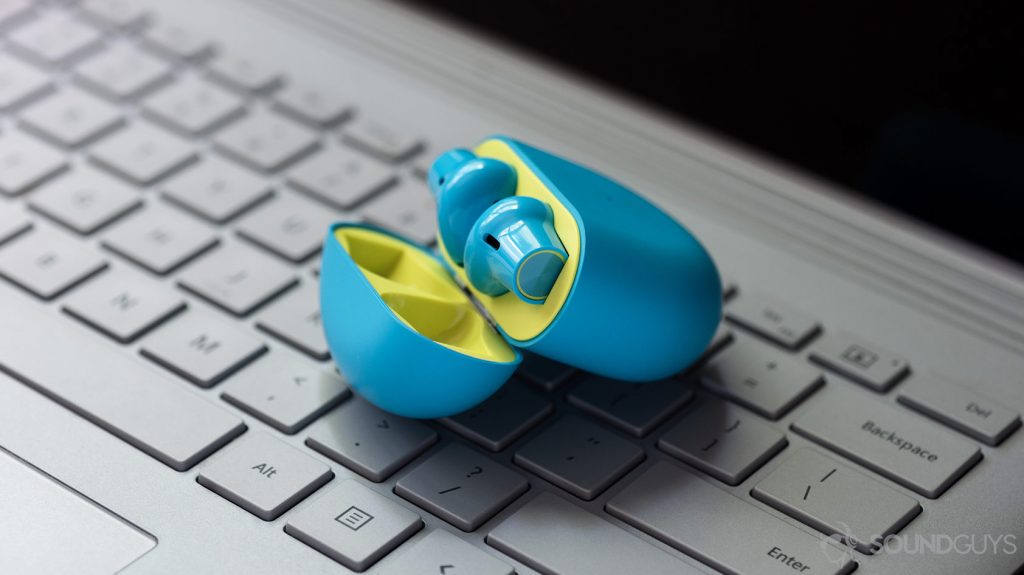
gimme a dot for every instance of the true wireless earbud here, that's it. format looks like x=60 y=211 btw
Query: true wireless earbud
x=505 y=242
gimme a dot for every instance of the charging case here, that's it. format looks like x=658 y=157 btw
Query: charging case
x=638 y=299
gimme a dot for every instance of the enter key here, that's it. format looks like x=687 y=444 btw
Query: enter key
x=836 y=500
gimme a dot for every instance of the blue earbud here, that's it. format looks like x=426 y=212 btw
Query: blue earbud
x=506 y=242
x=464 y=186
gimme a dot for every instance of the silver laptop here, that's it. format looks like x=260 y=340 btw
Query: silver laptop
x=168 y=404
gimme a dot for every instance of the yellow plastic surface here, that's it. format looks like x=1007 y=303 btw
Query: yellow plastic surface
x=523 y=321
x=422 y=294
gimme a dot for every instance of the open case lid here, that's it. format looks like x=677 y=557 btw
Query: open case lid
x=402 y=332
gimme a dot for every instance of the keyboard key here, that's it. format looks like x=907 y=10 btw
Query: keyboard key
x=264 y=475
x=353 y=525
x=176 y=40
x=115 y=13
x=836 y=500
x=123 y=306
x=143 y=153
x=237 y=279
x=723 y=441
x=244 y=74
x=159 y=239
x=26 y=163
x=579 y=457
x=288 y=226
x=71 y=118
x=502 y=418
x=12 y=11
x=665 y=501
x=216 y=190
x=193 y=106
x=266 y=141
x=201 y=350
x=85 y=200
x=340 y=177
x=635 y=408
x=295 y=320
x=536 y=535
x=442 y=552
x=408 y=209
x=543 y=372
x=140 y=406
x=860 y=361
x=317 y=105
x=760 y=378
x=890 y=441
x=371 y=442
x=285 y=394
x=47 y=264
x=12 y=223
x=961 y=408
x=380 y=140
x=54 y=38
x=461 y=486
x=123 y=72
x=773 y=320
x=20 y=83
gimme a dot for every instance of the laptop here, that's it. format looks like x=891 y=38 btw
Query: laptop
x=168 y=405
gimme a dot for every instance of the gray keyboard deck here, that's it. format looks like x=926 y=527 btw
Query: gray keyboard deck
x=170 y=195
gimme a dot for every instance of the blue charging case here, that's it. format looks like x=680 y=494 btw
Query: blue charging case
x=638 y=299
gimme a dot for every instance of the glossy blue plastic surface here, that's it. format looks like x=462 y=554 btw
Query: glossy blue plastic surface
x=386 y=361
x=647 y=296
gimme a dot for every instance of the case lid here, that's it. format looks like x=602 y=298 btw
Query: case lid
x=402 y=331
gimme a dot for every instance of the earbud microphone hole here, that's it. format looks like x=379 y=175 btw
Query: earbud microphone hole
x=492 y=241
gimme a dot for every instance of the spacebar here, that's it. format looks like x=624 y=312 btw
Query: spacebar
x=114 y=391
x=552 y=535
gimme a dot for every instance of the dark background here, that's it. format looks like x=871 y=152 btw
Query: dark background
x=919 y=106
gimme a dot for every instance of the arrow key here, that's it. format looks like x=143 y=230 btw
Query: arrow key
x=441 y=553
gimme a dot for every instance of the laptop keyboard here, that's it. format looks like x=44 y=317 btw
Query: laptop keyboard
x=134 y=149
